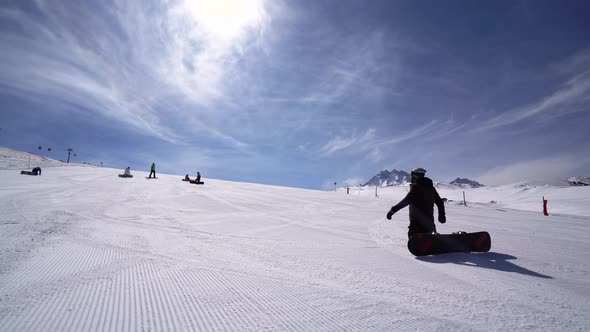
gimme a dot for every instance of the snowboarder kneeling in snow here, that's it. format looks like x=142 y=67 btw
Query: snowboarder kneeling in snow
x=37 y=171
x=421 y=199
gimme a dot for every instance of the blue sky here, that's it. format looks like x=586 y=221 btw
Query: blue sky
x=302 y=93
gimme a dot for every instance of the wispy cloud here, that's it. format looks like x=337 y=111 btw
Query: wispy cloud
x=369 y=142
x=354 y=64
x=572 y=64
x=130 y=61
x=294 y=86
x=536 y=171
x=425 y=129
x=347 y=143
x=571 y=97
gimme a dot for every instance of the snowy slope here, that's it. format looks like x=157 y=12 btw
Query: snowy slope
x=20 y=160
x=562 y=200
x=84 y=250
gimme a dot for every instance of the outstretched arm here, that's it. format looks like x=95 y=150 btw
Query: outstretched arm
x=402 y=204
x=441 y=207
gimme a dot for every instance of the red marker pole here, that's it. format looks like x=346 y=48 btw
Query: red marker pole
x=545 y=206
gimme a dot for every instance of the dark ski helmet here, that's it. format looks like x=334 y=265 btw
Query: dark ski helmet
x=418 y=172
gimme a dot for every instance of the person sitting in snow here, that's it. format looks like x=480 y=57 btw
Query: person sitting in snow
x=127 y=171
x=37 y=170
x=421 y=199
x=187 y=178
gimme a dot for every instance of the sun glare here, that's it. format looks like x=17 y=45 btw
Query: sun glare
x=225 y=18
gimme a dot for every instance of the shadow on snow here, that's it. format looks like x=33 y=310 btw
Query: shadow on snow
x=490 y=260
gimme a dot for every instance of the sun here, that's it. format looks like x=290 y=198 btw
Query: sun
x=225 y=19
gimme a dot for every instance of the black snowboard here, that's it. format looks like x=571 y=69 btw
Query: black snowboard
x=424 y=244
x=195 y=182
x=149 y=178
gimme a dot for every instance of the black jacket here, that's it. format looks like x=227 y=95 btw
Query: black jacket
x=421 y=198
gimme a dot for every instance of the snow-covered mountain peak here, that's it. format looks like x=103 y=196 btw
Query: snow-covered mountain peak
x=579 y=181
x=466 y=183
x=389 y=178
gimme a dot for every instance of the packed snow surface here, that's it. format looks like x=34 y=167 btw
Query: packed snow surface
x=84 y=250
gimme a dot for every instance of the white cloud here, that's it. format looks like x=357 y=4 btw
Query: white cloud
x=351 y=71
x=223 y=18
x=374 y=146
x=426 y=129
x=130 y=61
x=301 y=147
x=572 y=64
x=571 y=97
x=353 y=181
x=200 y=53
x=350 y=182
x=376 y=155
x=541 y=171
x=355 y=143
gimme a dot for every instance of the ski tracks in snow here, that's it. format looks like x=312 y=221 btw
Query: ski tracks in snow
x=166 y=256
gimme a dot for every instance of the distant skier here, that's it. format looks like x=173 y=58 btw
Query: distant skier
x=36 y=171
x=153 y=171
x=421 y=199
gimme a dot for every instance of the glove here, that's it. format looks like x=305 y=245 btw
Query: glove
x=389 y=214
x=442 y=219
